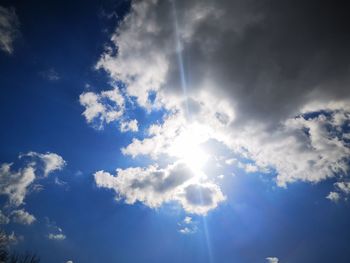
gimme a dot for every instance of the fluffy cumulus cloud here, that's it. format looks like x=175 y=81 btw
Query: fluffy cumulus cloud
x=15 y=183
x=103 y=107
x=229 y=71
x=22 y=217
x=9 y=25
x=154 y=186
x=306 y=148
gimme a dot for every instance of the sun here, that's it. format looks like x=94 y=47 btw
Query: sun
x=187 y=147
x=195 y=157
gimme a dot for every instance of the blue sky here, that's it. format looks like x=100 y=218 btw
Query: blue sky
x=175 y=131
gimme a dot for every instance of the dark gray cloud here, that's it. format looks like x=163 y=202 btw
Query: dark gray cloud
x=269 y=57
x=199 y=195
x=288 y=54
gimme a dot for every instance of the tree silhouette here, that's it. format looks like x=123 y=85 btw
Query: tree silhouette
x=23 y=258
x=3 y=247
x=14 y=257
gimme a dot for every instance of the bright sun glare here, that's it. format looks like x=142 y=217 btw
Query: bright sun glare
x=187 y=147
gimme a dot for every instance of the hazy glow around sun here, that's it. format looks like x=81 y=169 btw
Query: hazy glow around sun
x=187 y=148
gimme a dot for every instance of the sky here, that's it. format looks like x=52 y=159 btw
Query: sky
x=175 y=130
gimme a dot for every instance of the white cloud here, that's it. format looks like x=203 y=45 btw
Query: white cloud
x=302 y=149
x=188 y=220
x=188 y=226
x=333 y=196
x=153 y=187
x=101 y=108
x=342 y=191
x=129 y=126
x=343 y=187
x=248 y=167
x=93 y=107
x=186 y=230
x=55 y=232
x=69 y=261
x=167 y=137
x=59 y=236
x=272 y=260
x=22 y=217
x=315 y=148
x=141 y=77
x=313 y=156
x=51 y=161
x=9 y=25
x=15 y=184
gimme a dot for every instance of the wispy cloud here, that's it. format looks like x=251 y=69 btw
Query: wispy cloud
x=50 y=74
x=188 y=226
x=101 y=108
x=9 y=28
